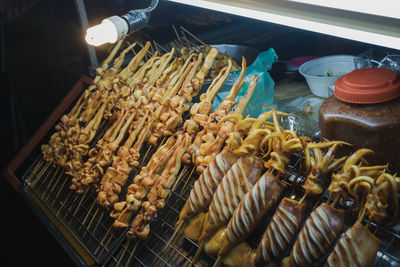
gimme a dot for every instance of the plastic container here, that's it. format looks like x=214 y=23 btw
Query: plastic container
x=365 y=112
x=320 y=73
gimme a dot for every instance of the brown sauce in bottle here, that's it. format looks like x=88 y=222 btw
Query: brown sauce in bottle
x=366 y=125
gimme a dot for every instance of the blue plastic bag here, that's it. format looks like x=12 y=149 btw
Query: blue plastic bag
x=264 y=92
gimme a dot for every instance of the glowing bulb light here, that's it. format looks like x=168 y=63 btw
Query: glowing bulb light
x=109 y=31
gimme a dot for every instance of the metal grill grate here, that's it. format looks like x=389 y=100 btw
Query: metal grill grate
x=91 y=225
x=181 y=250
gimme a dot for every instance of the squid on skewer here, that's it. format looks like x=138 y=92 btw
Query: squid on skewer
x=149 y=176
x=101 y=154
x=358 y=246
x=264 y=195
x=325 y=223
x=235 y=184
x=212 y=125
x=140 y=226
x=126 y=160
x=57 y=150
x=287 y=218
x=210 y=143
x=163 y=184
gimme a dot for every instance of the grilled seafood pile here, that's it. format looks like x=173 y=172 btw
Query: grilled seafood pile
x=242 y=164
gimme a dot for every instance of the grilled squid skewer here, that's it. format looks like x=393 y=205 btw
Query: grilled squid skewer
x=280 y=232
x=357 y=247
x=252 y=210
x=320 y=231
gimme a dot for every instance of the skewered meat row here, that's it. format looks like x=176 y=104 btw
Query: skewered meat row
x=55 y=151
x=244 y=173
x=101 y=154
x=125 y=161
x=124 y=210
x=203 y=189
x=136 y=107
x=82 y=131
x=148 y=177
x=319 y=165
x=358 y=246
x=325 y=223
x=158 y=193
x=108 y=195
x=211 y=143
x=212 y=125
x=200 y=111
x=162 y=187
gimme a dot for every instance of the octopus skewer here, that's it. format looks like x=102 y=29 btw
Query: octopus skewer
x=211 y=126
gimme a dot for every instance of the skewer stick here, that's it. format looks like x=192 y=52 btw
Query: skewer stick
x=33 y=172
x=303 y=198
x=63 y=203
x=49 y=184
x=132 y=252
x=98 y=222
x=56 y=182
x=218 y=261
x=177 y=230
x=89 y=211
x=41 y=173
x=187 y=180
x=123 y=252
x=94 y=216
x=107 y=243
x=176 y=33
x=59 y=191
x=335 y=201
x=183 y=172
x=80 y=202
x=104 y=238
x=144 y=157
x=198 y=252
x=193 y=36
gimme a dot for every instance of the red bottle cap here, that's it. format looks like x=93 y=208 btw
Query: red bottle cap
x=368 y=86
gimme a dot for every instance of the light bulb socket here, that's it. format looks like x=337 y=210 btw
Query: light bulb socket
x=121 y=26
x=136 y=19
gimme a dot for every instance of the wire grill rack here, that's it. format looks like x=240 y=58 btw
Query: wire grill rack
x=181 y=250
x=91 y=224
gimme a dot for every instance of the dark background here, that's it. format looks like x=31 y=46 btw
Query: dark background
x=43 y=55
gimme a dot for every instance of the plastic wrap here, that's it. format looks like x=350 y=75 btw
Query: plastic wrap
x=264 y=91
x=373 y=58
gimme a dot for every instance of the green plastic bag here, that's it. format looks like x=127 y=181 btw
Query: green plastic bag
x=264 y=92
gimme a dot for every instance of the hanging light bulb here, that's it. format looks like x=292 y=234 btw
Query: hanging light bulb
x=112 y=29
x=109 y=31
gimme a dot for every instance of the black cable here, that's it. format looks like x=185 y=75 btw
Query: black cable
x=152 y=6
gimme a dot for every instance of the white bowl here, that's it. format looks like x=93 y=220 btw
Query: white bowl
x=320 y=73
